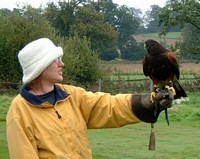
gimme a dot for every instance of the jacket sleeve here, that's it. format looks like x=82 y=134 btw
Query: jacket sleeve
x=103 y=110
x=20 y=144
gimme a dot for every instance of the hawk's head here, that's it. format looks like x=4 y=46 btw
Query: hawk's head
x=153 y=47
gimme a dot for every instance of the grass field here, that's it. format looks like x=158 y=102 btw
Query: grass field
x=169 y=38
x=180 y=140
x=170 y=35
x=128 y=67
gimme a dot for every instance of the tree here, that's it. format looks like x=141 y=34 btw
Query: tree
x=124 y=20
x=69 y=18
x=26 y=24
x=152 y=19
x=180 y=12
x=18 y=28
x=61 y=16
x=81 y=63
x=184 y=14
x=126 y=24
x=132 y=50
x=102 y=35
x=190 y=47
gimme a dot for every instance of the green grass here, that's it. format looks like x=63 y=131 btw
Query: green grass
x=135 y=76
x=121 y=76
x=5 y=101
x=170 y=35
x=3 y=143
x=179 y=140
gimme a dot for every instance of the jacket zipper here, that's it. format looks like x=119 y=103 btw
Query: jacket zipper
x=59 y=116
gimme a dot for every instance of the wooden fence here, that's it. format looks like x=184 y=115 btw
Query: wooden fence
x=139 y=85
x=136 y=86
x=116 y=86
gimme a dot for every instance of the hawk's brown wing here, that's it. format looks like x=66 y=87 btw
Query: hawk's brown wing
x=146 y=67
x=173 y=60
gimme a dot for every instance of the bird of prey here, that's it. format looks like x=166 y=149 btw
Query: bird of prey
x=161 y=65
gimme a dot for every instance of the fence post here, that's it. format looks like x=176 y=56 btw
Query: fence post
x=151 y=85
x=99 y=85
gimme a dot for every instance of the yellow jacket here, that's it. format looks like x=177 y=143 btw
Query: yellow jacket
x=35 y=131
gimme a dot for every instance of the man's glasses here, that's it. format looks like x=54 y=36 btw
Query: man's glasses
x=58 y=60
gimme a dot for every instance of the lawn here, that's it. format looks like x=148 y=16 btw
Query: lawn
x=3 y=143
x=170 y=38
x=170 y=35
x=179 y=140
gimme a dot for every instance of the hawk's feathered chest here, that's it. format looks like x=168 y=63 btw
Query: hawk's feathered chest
x=158 y=66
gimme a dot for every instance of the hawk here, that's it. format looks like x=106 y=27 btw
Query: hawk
x=161 y=65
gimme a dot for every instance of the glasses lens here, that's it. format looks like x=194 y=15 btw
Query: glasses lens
x=59 y=59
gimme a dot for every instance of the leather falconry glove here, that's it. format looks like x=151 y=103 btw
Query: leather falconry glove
x=148 y=111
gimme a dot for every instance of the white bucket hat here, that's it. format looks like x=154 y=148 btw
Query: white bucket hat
x=36 y=56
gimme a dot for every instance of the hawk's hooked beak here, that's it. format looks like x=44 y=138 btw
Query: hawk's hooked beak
x=145 y=46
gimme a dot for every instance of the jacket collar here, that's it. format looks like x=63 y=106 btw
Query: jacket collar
x=33 y=99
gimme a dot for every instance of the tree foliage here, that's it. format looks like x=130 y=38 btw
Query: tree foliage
x=184 y=14
x=102 y=35
x=81 y=63
x=133 y=50
x=27 y=24
x=17 y=28
x=190 y=47
x=68 y=18
x=180 y=13
x=126 y=24
x=107 y=25
x=61 y=16
x=152 y=18
x=126 y=21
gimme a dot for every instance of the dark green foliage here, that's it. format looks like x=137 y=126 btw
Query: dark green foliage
x=152 y=18
x=133 y=50
x=18 y=28
x=81 y=63
x=190 y=48
x=185 y=15
x=27 y=24
x=107 y=25
x=102 y=35
x=180 y=12
x=61 y=16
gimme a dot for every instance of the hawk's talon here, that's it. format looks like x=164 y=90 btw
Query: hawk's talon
x=152 y=96
x=171 y=89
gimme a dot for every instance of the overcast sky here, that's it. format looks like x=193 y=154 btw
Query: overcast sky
x=139 y=4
